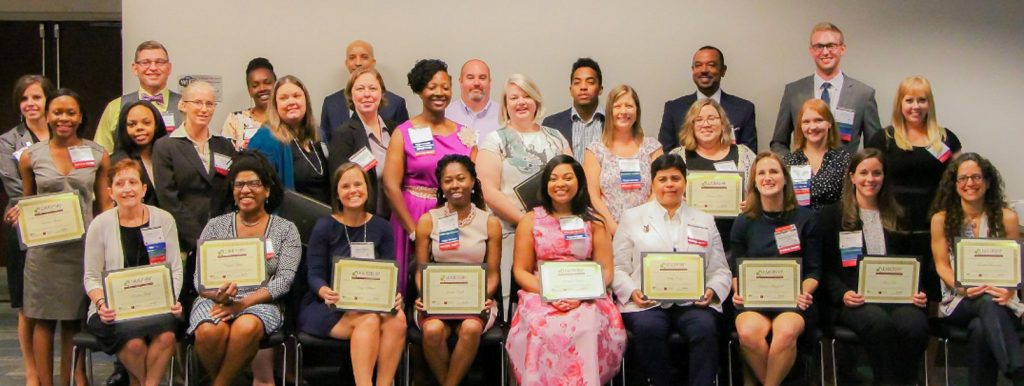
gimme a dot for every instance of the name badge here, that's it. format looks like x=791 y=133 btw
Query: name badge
x=17 y=153
x=943 y=154
x=629 y=173
x=735 y=132
x=362 y=250
x=422 y=140
x=697 y=236
x=801 y=175
x=247 y=134
x=850 y=246
x=269 y=249
x=156 y=247
x=168 y=118
x=725 y=166
x=448 y=232
x=844 y=119
x=81 y=157
x=787 y=239
x=221 y=163
x=572 y=228
x=364 y=158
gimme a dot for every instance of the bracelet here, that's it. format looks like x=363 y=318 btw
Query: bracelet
x=97 y=302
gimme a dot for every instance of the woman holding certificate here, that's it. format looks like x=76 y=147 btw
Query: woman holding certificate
x=138 y=127
x=868 y=221
x=417 y=145
x=377 y=338
x=818 y=161
x=774 y=225
x=669 y=230
x=229 y=319
x=564 y=340
x=53 y=286
x=970 y=204
x=132 y=234
x=618 y=166
x=460 y=231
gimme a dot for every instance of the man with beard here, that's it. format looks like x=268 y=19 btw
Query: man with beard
x=335 y=109
x=582 y=123
x=708 y=70
x=474 y=108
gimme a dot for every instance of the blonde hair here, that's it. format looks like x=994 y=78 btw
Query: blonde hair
x=529 y=88
x=609 y=122
x=306 y=131
x=687 y=135
x=826 y=26
x=822 y=109
x=899 y=123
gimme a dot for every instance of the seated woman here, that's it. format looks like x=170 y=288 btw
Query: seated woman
x=970 y=203
x=566 y=341
x=668 y=224
x=377 y=339
x=478 y=242
x=229 y=323
x=138 y=128
x=117 y=239
x=894 y=335
x=772 y=224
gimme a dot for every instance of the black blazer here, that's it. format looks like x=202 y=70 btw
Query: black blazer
x=150 y=198
x=346 y=140
x=335 y=112
x=184 y=188
x=561 y=121
x=740 y=112
x=839 y=279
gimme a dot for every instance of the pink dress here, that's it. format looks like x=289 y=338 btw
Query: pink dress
x=549 y=347
x=419 y=186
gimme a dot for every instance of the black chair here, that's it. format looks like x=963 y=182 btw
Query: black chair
x=946 y=332
x=844 y=335
x=85 y=340
x=675 y=339
x=813 y=336
x=492 y=339
x=277 y=338
x=306 y=341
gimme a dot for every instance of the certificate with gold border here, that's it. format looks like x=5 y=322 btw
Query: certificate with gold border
x=570 y=280
x=769 y=283
x=716 y=193
x=364 y=285
x=50 y=218
x=139 y=292
x=672 y=276
x=239 y=261
x=994 y=262
x=454 y=289
x=888 y=279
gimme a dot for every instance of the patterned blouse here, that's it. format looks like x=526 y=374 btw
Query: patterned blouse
x=617 y=199
x=827 y=183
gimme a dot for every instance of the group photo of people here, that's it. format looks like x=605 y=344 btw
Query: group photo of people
x=582 y=247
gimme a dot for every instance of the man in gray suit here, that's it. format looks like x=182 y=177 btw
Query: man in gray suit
x=852 y=102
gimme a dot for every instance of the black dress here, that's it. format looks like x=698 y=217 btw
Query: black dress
x=311 y=175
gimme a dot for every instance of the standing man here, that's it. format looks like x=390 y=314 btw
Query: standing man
x=708 y=69
x=335 y=109
x=152 y=66
x=852 y=102
x=474 y=108
x=582 y=123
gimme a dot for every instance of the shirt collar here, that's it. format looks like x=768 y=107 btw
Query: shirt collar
x=662 y=214
x=598 y=115
x=478 y=114
x=837 y=83
x=181 y=132
x=717 y=96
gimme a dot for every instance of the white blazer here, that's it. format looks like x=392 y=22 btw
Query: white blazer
x=646 y=228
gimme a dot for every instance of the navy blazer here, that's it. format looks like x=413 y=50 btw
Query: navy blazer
x=348 y=139
x=740 y=112
x=561 y=121
x=335 y=112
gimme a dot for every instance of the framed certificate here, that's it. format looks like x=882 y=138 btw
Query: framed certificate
x=672 y=277
x=769 y=283
x=50 y=218
x=454 y=289
x=139 y=292
x=888 y=279
x=365 y=285
x=994 y=262
x=240 y=261
x=716 y=193
x=570 y=280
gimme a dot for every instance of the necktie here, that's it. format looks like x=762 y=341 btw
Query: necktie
x=824 y=93
x=158 y=98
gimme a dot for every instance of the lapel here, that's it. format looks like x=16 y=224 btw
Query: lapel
x=192 y=156
x=660 y=227
x=359 y=134
x=846 y=91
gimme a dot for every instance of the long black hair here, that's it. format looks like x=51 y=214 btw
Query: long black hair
x=123 y=141
x=476 y=196
x=580 y=204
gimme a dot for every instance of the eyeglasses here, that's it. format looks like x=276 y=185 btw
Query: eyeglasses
x=832 y=47
x=252 y=184
x=201 y=104
x=711 y=120
x=973 y=177
x=157 y=62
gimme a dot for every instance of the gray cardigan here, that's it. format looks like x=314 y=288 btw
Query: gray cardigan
x=103 y=248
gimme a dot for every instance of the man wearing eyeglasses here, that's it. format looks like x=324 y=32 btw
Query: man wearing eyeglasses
x=152 y=66
x=852 y=103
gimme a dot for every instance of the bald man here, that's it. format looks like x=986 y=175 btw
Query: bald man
x=335 y=109
x=474 y=108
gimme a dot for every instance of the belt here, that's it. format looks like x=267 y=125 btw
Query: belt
x=422 y=192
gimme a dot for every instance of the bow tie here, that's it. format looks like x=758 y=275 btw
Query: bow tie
x=158 y=98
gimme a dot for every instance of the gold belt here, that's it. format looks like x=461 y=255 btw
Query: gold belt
x=422 y=192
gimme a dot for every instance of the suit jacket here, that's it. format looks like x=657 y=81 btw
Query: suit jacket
x=855 y=96
x=335 y=112
x=191 y=193
x=348 y=139
x=740 y=112
x=643 y=229
x=561 y=121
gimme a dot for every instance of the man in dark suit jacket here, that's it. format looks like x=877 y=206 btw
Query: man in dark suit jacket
x=585 y=86
x=708 y=69
x=852 y=102
x=335 y=109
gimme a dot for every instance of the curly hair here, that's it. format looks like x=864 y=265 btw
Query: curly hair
x=253 y=161
x=477 y=195
x=423 y=71
x=948 y=199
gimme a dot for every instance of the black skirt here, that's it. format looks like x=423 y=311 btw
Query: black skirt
x=113 y=337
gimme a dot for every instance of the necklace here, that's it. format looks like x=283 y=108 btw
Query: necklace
x=319 y=170
x=250 y=224
x=462 y=222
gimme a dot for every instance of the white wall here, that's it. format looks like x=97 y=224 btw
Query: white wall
x=972 y=52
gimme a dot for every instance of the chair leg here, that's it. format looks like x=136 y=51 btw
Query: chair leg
x=623 y=365
x=284 y=361
x=504 y=362
x=835 y=370
x=945 y=356
x=74 y=363
x=406 y=365
x=170 y=375
x=88 y=365
x=821 y=359
x=729 y=356
x=188 y=364
x=298 y=362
